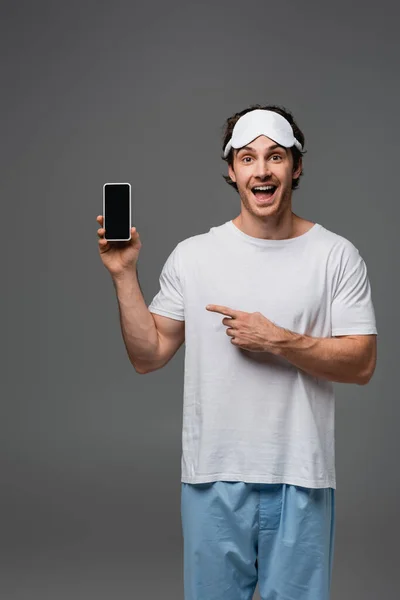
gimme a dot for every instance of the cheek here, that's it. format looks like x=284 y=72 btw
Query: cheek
x=284 y=175
x=242 y=180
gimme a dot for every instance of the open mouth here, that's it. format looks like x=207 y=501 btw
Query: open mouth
x=264 y=193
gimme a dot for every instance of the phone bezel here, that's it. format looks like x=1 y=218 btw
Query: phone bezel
x=130 y=210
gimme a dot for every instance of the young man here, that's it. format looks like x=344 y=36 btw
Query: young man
x=273 y=309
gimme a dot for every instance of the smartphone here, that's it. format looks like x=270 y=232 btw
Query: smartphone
x=117 y=211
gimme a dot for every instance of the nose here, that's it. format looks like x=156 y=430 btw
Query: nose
x=262 y=169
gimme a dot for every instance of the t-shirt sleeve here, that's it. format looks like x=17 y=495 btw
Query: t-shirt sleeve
x=169 y=301
x=352 y=309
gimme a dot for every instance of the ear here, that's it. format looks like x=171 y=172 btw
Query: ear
x=296 y=173
x=231 y=173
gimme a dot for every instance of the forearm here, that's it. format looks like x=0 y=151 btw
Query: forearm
x=137 y=325
x=335 y=359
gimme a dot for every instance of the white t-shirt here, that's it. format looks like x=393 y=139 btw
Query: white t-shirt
x=253 y=416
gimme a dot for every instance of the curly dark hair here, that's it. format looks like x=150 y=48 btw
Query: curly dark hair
x=296 y=153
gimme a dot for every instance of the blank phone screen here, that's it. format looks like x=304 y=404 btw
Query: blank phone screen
x=117 y=218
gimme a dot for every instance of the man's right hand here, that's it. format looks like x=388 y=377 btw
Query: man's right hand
x=118 y=257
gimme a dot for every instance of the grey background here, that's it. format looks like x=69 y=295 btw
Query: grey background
x=124 y=91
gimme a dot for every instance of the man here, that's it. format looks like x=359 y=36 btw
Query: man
x=273 y=309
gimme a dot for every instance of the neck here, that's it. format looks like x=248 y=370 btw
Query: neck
x=276 y=227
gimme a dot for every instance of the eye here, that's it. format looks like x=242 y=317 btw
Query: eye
x=244 y=158
x=276 y=156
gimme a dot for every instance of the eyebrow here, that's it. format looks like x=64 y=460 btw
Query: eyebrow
x=274 y=147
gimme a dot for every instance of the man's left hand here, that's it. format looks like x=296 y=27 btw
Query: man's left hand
x=250 y=331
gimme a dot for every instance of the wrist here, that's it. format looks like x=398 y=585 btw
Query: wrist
x=124 y=277
x=286 y=341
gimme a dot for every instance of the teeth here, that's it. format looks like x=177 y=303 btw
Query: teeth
x=264 y=188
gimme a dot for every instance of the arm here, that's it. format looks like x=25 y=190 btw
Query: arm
x=343 y=359
x=150 y=340
x=137 y=325
x=171 y=335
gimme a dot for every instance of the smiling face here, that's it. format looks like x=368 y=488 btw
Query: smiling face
x=259 y=164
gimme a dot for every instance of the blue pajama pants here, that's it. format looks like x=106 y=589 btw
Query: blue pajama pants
x=236 y=534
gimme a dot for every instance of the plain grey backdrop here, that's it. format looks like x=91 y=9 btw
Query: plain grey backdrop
x=95 y=92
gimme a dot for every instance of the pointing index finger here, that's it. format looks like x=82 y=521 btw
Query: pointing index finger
x=224 y=310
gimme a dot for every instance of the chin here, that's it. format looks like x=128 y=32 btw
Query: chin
x=270 y=204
